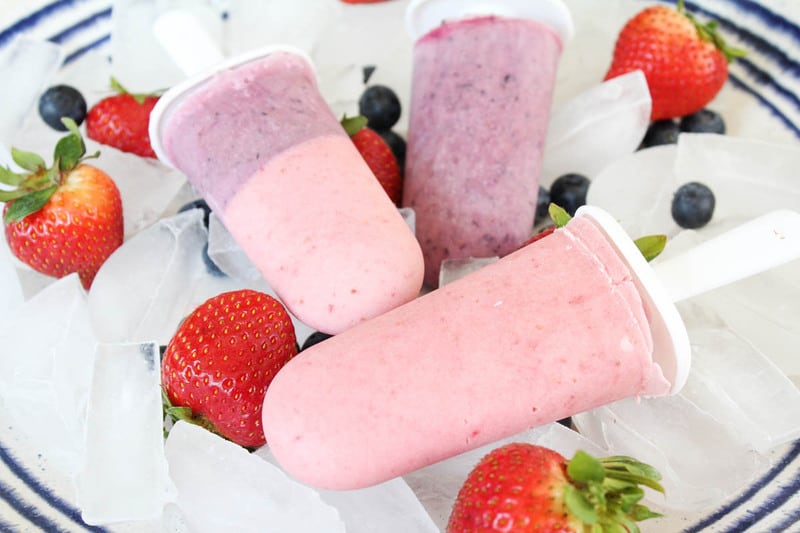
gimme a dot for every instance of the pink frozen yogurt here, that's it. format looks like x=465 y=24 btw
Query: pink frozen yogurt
x=551 y=330
x=260 y=144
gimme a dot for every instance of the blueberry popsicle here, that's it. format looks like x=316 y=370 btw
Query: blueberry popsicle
x=480 y=102
x=259 y=143
x=553 y=329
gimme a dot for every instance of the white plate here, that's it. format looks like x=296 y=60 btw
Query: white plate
x=761 y=101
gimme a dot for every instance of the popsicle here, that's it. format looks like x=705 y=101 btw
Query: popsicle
x=553 y=329
x=481 y=94
x=257 y=140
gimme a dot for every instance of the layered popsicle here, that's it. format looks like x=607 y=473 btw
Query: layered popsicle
x=259 y=143
x=551 y=330
x=480 y=102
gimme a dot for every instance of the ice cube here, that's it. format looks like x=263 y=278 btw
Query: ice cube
x=227 y=254
x=388 y=507
x=10 y=284
x=223 y=487
x=27 y=65
x=597 y=127
x=456 y=268
x=692 y=451
x=139 y=61
x=146 y=186
x=740 y=387
x=410 y=217
x=637 y=190
x=125 y=475
x=765 y=310
x=142 y=291
x=45 y=371
x=297 y=23
x=749 y=177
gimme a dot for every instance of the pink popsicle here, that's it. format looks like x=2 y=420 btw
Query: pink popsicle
x=480 y=103
x=260 y=144
x=551 y=330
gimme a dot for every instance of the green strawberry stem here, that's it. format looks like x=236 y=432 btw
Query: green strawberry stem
x=650 y=246
x=708 y=32
x=605 y=493
x=353 y=125
x=175 y=413
x=139 y=97
x=31 y=190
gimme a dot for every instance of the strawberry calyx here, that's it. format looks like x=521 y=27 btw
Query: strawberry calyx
x=650 y=245
x=605 y=493
x=174 y=413
x=708 y=32
x=30 y=190
x=353 y=125
x=139 y=97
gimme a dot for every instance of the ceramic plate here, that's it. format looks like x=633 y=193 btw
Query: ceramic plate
x=761 y=100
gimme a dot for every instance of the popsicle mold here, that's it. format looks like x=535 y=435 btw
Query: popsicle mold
x=423 y=16
x=257 y=140
x=671 y=348
x=170 y=100
x=556 y=328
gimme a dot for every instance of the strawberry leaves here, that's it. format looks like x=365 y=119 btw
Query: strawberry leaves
x=708 y=32
x=27 y=160
x=31 y=190
x=650 y=245
x=605 y=493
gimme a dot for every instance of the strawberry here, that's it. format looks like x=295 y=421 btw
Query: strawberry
x=378 y=155
x=217 y=366
x=538 y=236
x=122 y=121
x=62 y=219
x=685 y=62
x=524 y=488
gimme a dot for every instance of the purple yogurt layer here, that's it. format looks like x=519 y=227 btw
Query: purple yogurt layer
x=275 y=96
x=480 y=104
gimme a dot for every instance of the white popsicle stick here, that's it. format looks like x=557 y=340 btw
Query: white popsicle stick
x=186 y=41
x=755 y=246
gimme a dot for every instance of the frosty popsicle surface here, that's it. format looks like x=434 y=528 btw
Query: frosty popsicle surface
x=259 y=143
x=551 y=330
x=482 y=85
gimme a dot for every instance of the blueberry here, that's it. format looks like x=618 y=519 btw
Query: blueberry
x=380 y=105
x=704 y=121
x=693 y=205
x=569 y=192
x=661 y=132
x=62 y=101
x=398 y=146
x=211 y=266
x=315 y=338
x=542 y=205
x=198 y=204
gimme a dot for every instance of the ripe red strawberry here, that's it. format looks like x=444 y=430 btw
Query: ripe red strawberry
x=524 y=488
x=378 y=155
x=218 y=365
x=62 y=219
x=685 y=62
x=122 y=121
x=539 y=236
